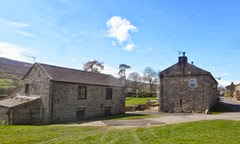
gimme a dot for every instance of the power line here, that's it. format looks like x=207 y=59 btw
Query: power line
x=175 y=31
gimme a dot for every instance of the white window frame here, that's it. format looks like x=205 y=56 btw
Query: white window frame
x=191 y=82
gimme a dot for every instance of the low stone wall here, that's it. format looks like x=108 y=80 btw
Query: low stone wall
x=140 y=107
x=4 y=115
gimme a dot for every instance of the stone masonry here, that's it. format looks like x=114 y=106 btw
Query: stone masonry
x=178 y=95
x=48 y=94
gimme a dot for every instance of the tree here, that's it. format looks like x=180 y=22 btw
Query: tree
x=136 y=80
x=93 y=66
x=150 y=76
x=122 y=74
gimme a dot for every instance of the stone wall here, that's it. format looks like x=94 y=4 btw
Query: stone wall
x=4 y=115
x=210 y=92
x=66 y=102
x=21 y=113
x=39 y=86
x=177 y=96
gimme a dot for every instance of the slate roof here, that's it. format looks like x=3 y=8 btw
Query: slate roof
x=194 y=71
x=197 y=69
x=18 y=100
x=62 y=74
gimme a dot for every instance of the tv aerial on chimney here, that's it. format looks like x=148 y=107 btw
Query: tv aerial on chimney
x=181 y=52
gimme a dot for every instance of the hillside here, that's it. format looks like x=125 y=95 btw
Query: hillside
x=12 y=68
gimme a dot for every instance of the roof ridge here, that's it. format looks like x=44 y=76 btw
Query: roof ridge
x=73 y=69
x=45 y=71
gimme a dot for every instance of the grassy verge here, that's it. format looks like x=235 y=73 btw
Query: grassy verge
x=136 y=101
x=214 y=132
x=220 y=108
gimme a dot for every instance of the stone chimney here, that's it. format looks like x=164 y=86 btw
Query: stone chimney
x=182 y=59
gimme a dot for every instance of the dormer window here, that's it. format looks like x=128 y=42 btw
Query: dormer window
x=192 y=83
x=26 y=88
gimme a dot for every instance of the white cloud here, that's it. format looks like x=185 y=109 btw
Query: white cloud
x=129 y=47
x=113 y=71
x=17 y=24
x=224 y=83
x=23 y=33
x=119 y=28
x=110 y=70
x=12 y=51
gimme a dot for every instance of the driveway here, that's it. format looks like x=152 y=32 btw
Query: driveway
x=161 y=120
x=231 y=103
x=168 y=118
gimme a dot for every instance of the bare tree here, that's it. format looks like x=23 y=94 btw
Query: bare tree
x=93 y=66
x=122 y=74
x=136 y=80
x=150 y=76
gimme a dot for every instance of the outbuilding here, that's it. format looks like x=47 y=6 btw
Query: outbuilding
x=52 y=94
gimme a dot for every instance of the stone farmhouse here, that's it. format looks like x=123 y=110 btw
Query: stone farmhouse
x=186 y=88
x=229 y=90
x=236 y=93
x=51 y=94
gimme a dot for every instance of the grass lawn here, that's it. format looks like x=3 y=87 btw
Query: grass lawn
x=136 y=101
x=220 y=108
x=6 y=83
x=201 y=132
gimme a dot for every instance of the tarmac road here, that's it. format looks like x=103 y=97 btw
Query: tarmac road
x=231 y=103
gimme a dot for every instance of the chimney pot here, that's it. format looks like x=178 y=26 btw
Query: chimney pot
x=182 y=60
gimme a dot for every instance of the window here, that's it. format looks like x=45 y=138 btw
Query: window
x=107 y=110
x=192 y=83
x=82 y=92
x=80 y=113
x=34 y=113
x=108 y=93
x=26 y=88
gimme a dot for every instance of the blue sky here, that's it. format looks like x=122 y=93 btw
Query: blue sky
x=138 y=33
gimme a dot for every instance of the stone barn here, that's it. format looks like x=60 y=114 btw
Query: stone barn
x=51 y=94
x=185 y=88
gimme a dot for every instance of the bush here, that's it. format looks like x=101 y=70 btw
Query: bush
x=227 y=94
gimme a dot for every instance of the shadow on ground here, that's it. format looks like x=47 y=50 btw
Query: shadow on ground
x=221 y=107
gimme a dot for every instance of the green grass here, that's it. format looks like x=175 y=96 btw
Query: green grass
x=136 y=101
x=6 y=83
x=220 y=108
x=201 y=132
